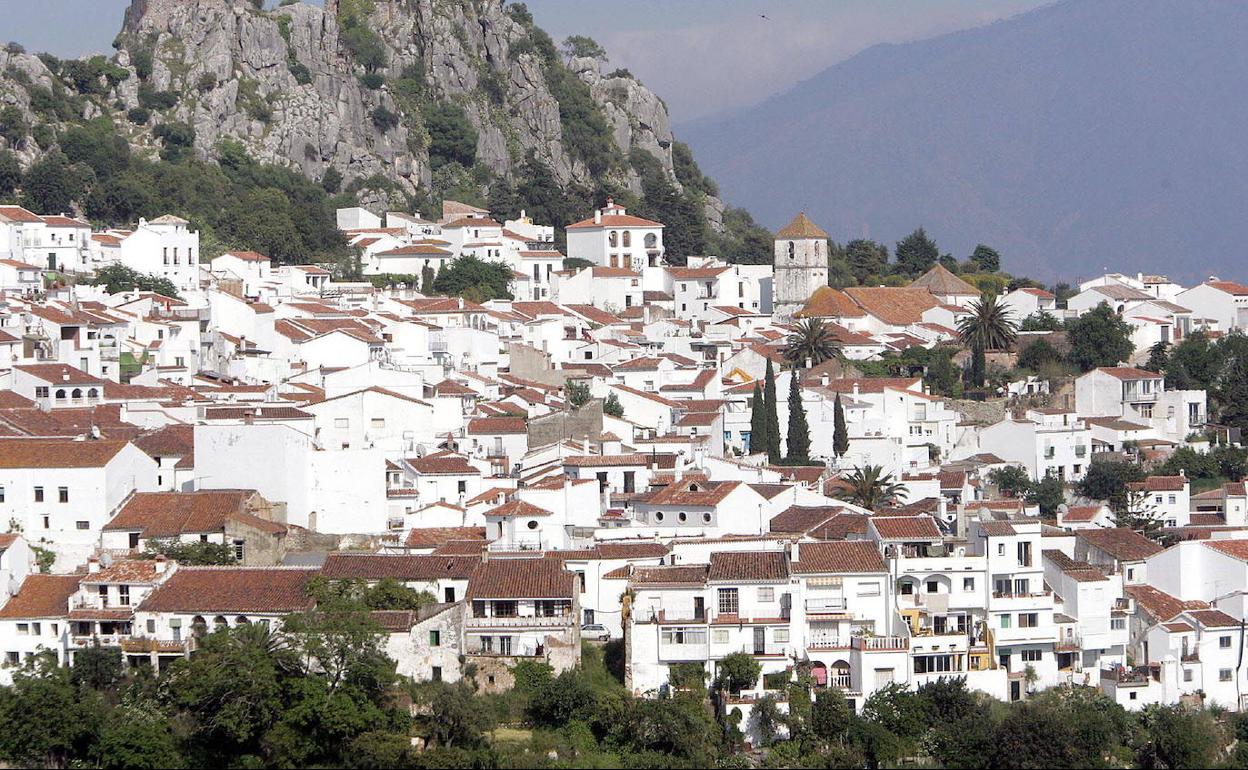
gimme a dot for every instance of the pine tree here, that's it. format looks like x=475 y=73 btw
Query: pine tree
x=758 y=421
x=840 y=434
x=799 y=429
x=773 y=416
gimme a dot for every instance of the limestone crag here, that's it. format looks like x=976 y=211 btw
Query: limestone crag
x=285 y=84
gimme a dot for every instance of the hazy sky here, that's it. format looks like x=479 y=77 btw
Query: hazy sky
x=701 y=56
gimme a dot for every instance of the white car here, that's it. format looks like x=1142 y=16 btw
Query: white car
x=596 y=632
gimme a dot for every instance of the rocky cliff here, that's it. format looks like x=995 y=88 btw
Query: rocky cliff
x=364 y=87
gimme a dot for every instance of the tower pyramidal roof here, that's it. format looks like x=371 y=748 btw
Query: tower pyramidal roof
x=801 y=227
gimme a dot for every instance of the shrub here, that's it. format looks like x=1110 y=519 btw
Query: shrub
x=384 y=119
x=13 y=125
x=139 y=116
x=156 y=100
x=301 y=73
x=207 y=81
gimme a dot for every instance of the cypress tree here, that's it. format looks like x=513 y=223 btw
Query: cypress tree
x=978 y=366
x=799 y=429
x=758 y=421
x=840 y=434
x=773 y=416
x=426 y=280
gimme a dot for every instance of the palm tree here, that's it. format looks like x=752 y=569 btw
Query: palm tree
x=871 y=488
x=990 y=326
x=812 y=341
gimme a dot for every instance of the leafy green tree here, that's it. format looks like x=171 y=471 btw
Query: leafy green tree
x=1195 y=465
x=1135 y=511
x=799 y=430
x=916 y=253
x=97 y=145
x=1193 y=364
x=1232 y=462
x=612 y=406
x=986 y=259
x=13 y=125
x=942 y=374
x=871 y=488
x=96 y=667
x=1231 y=389
x=1040 y=321
x=1178 y=736
x=452 y=138
x=118 y=278
x=840 y=433
x=580 y=46
x=455 y=719
x=47 y=721
x=1048 y=494
x=765 y=719
x=866 y=258
x=1107 y=479
x=1038 y=355
x=474 y=279
x=561 y=699
x=1010 y=480
x=736 y=671
x=390 y=594
x=811 y=344
x=758 y=420
x=1098 y=338
x=989 y=326
x=134 y=738
x=50 y=185
x=10 y=173
x=577 y=393
x=1157 y=356
x=772 y=414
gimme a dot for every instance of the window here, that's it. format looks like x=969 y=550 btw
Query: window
x=1005 y=621
x=719 y=636
x=436 y=673
x=11 y=658
x=933 y=587
x=1032 y=656
x=766 y=594
x=1000 y=549
x=780 y=636
x=47 y=522
x=123 y=595
x=1028 y=619
x=23 y=629
x=377 y=422
x=1187 y=675
x=461 y=487
x=1224 y=642
x=238 y=549
x=41 y=391
x=1224 y=675
x=1 y=494
x=82 y=525
x=62 y=494
x=435 y=638
x=728 y=600
x=1117 y=624
x=869 y=589
x=968 y=584
x=683 y=636
x=151 y=625
x=706 y=517
x=1130 y=573
x=38 y=494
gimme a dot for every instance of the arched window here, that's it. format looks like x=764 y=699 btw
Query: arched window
x=93 y=393
x=77 y=393
x=199 y=626
x=220 y=622
x=816 y=248
x=241 y=620
x=792 y=251
x=652 y=241
x=628 y=238
x=60 y=393
x=613 y=239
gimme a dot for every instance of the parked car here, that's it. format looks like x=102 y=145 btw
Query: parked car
x=595 y=631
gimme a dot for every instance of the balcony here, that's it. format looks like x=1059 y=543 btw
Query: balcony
x=826 y=605
x=827 y=641
x=683 y=652
x=1133 y=396
x=765 y=650
x=142 y=644
x=880 y=643
x=840 y=682
x=521 y=621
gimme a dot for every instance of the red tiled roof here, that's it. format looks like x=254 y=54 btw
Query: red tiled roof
x=614 y=220
x=748 y=566
x=426 y=537
x=42 y=596
x=268 y=590
x=905 y=527
x=1120 y=543
x=57 y=452
x=170 y=514
x=1159 y=604
x=1236 y=549
x=443 y=465
x=1160 y=484
x=347 y=565
x=515 y=508
x=1129 y=373
x=491 y=426
x=845 y=556
x=521 y=579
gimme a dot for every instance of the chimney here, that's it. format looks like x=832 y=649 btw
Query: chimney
x=597 y=216
x=794 y=552
x=93 y=564
x=823 y=379
x=855 y=389
x=160 y=564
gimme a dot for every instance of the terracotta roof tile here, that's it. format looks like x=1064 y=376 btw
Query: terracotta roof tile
x=748 y=566
x=1120 y=543
x=268 y=590
x=521 y=579
x=347 y=565
x=42 y=596
x=845 y=556
x=57 y=452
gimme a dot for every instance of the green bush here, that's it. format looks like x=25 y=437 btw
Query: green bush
x=384 y=119
x=13 y=125
x=152 y=99
x=139 y=116
x=372 y=80
x=452 y=138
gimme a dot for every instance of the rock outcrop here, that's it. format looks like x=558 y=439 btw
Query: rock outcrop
x=290 y=86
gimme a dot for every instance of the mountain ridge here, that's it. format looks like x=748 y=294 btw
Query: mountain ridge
x=1063 y=136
